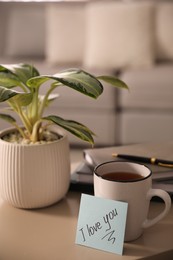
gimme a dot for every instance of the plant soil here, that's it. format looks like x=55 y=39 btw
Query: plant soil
x=15 y=137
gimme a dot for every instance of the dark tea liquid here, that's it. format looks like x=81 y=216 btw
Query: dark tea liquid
x=121 y=176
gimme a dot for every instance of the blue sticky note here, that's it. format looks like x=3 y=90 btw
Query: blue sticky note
x=101 y=223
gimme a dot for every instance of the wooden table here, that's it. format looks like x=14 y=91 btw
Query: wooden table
x=49 y=234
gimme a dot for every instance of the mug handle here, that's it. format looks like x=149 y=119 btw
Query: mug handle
x=167 y=200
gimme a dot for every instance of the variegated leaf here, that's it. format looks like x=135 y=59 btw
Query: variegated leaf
x=6 y=93
x=8 y=118
x=76 y=79
x=77 y=129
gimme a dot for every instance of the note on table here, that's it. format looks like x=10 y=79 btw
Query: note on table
x=101 y=223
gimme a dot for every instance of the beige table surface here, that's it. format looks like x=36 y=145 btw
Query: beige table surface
x=49 y=234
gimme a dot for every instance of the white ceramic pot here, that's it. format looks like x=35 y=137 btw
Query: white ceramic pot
x=34 y=176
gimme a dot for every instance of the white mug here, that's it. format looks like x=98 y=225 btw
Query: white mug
x=136 y=192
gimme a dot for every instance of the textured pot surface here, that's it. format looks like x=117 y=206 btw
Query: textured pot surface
x=34 y=176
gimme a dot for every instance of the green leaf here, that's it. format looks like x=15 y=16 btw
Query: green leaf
x=6 y=93
x=7 y=118
x=114 y=81
x=8 y=80
x=23 y=72
x=53 y=96
x=23 y=99
x=77 y=129
x=76 y=79
x=35 y=82
x=50 y=99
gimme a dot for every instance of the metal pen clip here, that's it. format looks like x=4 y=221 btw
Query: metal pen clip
x=165 y=165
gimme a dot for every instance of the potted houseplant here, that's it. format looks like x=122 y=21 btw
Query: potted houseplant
x=34 y=157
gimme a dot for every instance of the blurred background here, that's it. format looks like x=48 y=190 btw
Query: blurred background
x=132 y=40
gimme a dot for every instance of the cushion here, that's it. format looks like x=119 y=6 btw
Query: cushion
x=150 y=88
x=65 y=24
x=25 y=31
x=143 y=126
x=119 y=35
x=164 y=30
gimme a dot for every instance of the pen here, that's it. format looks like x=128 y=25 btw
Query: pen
x=151 y=160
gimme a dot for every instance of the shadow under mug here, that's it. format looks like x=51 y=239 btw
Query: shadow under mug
x=137 y=193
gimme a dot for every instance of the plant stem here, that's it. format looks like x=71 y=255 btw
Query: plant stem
x=25 y=120
x=43 y=104
x=23 y=87
x=34 y=111
x=43 y=128
x=35 y=132
x=20 y=131
x=22 y=116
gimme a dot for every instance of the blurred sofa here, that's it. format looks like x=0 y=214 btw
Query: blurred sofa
x=129 y=39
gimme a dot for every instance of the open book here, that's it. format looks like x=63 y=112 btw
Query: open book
x=162 y=176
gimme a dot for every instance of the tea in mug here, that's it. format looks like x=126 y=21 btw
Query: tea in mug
x=122 y=176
